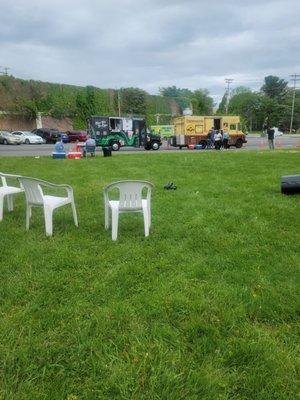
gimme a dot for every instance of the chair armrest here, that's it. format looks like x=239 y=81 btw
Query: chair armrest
x=68 y=188
x=4 y=176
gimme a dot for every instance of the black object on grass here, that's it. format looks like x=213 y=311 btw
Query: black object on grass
x=171 y=186
x=290 y=184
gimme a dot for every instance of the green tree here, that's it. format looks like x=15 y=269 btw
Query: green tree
x=246 y=104
x=274 y=87
x=202 y=103
x=133 y=101
x=182 y=95
x=222 y=106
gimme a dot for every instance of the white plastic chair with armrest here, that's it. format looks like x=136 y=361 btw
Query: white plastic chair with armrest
x=130 y=200
x=8 y=191
x=36 y=198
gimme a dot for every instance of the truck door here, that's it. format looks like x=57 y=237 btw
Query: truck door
x=217 y=123
x=139 y=125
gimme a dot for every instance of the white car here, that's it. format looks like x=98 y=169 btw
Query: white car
x=29 y=137
x=277 y=132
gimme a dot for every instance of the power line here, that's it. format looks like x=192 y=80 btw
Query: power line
x=295 y=78
x=228 y=81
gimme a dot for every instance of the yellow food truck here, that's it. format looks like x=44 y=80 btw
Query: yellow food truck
x=193 y=129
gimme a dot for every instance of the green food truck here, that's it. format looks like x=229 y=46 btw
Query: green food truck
x=117 y=132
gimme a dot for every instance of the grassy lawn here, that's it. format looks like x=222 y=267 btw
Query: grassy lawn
x=205 y=308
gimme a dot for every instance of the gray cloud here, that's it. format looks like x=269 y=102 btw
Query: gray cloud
x=149 y=44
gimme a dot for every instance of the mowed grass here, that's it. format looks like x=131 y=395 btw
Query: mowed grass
x=204 y=308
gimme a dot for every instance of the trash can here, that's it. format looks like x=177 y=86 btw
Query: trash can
x=106 y=151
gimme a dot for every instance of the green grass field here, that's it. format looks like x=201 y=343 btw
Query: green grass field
x=204 y=308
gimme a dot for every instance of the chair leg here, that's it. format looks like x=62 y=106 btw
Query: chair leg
x=10 y=202
x=107 y=222
x=115 y=222
x=48 y=220
x=149 y=215
x=1 y=207
x=74 y=213
x=146 y=220
x=28 y=216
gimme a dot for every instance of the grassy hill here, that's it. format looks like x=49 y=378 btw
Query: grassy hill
x=59 y=100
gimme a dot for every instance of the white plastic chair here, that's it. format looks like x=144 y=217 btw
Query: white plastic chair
x=36 y=198
x=9 y=192
x=130 y=200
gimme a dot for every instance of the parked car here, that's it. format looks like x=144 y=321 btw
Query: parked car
x=8 y=138
x=50 y=135
x=81 y=136
x=277 y=131
x=29 y=137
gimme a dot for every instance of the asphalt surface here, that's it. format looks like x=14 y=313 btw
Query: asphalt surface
x=254 y=143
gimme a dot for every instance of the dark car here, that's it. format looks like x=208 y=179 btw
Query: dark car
x=81 y=136
x=50 y=135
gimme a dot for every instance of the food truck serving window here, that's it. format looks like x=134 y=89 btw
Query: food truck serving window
x=232 y=127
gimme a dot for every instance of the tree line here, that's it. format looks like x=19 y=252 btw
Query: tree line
x=271 y=103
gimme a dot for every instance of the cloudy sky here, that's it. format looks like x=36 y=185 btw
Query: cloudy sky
x=149 y=44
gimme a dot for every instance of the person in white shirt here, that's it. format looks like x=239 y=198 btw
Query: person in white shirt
x=218 y=140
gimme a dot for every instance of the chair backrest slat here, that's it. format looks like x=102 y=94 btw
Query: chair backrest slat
x=130 y=193
x=33 y=190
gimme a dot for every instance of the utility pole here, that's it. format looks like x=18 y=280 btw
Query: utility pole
x=119 y=103
x=5 y=70
x=228 y=81
x=295 y=78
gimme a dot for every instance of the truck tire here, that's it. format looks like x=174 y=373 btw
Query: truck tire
x=239 y=144
x=154 y=145
x=27 y=141
x=115 y=146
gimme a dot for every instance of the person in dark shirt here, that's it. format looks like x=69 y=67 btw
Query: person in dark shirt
x=270 y=133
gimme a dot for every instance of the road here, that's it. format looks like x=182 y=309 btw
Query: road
x=254 y=143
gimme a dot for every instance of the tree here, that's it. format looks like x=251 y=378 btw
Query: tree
x=222 y=106
x=246 y=104
x=202 y=103
x=182 y=96
x=274 y=87
x=239 y=90
x=133 y=101
x=173 y=91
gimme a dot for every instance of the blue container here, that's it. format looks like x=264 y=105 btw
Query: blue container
x=198 y=147
x=58 y=155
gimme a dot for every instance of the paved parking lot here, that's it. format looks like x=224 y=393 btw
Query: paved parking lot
x=254 y=143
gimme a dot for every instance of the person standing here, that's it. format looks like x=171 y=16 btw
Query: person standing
x=218 y=140
x=225 y=139
x=210 y=139
x=271 y=134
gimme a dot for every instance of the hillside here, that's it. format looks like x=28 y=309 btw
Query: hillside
x=76 y=102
